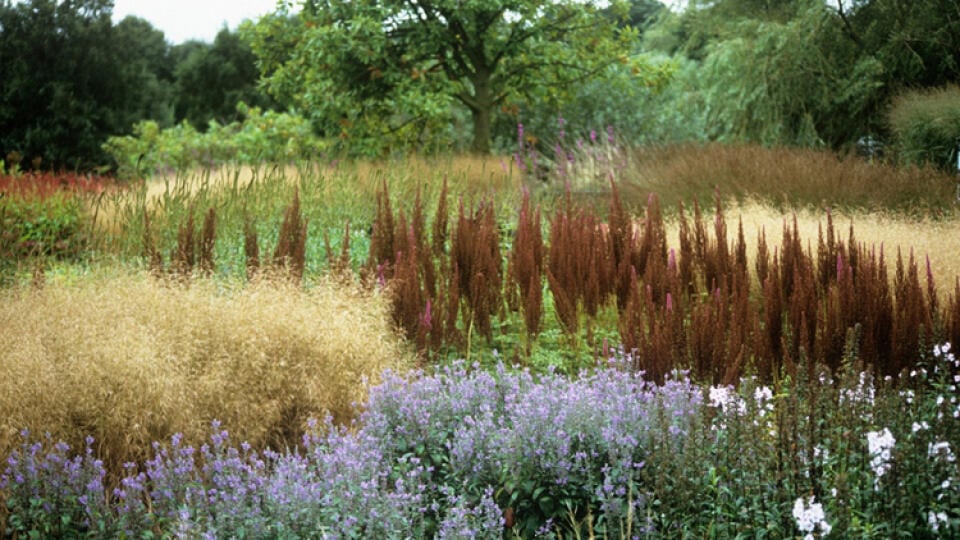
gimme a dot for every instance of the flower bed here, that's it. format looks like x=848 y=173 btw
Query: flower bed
x=469 y=453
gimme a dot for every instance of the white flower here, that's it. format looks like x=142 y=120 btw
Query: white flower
x=880 y=444
x=934 y=520
x=864 y=391
x=719 y=396
x=727 y=400
x=941 y=449
x=810 y=516
x=920 y=426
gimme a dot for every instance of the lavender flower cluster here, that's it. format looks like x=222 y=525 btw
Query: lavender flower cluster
x=461 y=453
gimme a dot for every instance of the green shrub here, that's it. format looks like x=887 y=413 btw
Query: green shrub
x=261 y=137
x=35 y=226
x=926 y=126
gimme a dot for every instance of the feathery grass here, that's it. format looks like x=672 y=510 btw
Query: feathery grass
x=131 y=360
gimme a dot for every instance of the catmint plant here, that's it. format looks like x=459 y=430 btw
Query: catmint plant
x=51 y=492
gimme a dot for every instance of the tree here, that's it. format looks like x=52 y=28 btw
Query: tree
x=383 y=71
x=808 y=71
x=69 y=79
x=145 y=57
x=211 y=79
x=643 y=13
x=789 y=83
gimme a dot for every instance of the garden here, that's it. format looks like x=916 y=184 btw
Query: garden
x=500 y=270
x=655 y=342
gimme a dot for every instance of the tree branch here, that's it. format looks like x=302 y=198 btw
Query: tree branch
x=848 y=28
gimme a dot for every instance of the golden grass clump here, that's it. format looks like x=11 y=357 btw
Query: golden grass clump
x=129 y=361
x=788 y=176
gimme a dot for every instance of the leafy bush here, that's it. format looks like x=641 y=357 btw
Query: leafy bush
x=272 y=137
x=638 y=96
x=926 y=125
x=35 y=227
x=45 y=214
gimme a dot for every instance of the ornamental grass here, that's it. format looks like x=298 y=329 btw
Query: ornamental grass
x=130 y=359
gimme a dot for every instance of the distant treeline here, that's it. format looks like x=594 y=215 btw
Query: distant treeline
x=70 y=78
x=878 y=76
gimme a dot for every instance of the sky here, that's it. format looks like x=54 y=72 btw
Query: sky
x=182 y=20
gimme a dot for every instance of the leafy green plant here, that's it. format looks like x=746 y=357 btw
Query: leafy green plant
x=260 y=137
x=32 y=227
x=926 y=125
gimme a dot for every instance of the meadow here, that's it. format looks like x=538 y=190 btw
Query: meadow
x=692 y=341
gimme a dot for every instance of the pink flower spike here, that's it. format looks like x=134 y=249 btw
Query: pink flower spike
x=380 y=276
x=427 y=315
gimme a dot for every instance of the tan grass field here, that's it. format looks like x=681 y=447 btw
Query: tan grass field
x=131 y=360
x=791 y=177
x=465 y=172
x=938 y=240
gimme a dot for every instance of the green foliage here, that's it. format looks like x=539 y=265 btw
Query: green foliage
x=271 y=137
x=144 y=51
x=33 y=226
x=773 y=83
x=917 y=43
x=71 y=79
x=627 y=95
x=212 y=79
x=807 y=73
x=380 y=75
x=926 y=126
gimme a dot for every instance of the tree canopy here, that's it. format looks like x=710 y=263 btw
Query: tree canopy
x=70 y=78
x=374 y=72
x=211 y=79
x=811 y=72
x=65 y=84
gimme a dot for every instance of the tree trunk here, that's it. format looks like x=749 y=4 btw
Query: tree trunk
x=481 y=130
x=482 y=111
